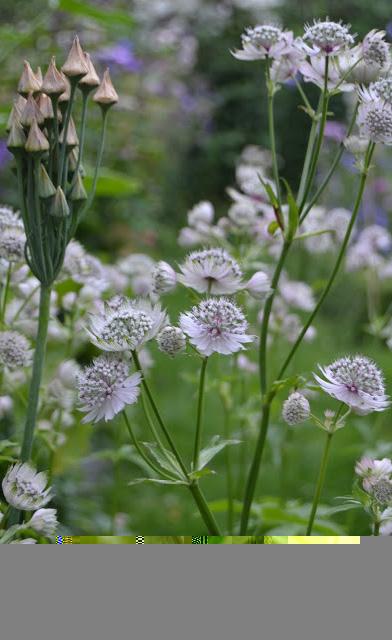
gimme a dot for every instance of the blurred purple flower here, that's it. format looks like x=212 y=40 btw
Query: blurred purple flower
x=122 y=55
x=335 y=130
x=388 y=29
x=5 y=155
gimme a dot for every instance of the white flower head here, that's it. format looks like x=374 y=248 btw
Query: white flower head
x=374 y=118
x=26 y=489
x=211 y=270
x=356 y=381
x=201 y=213
x=296 y=409
x=259 y=285
x=216 y=325
x=44 y=522
x=375 y=50
x=171 y=340
x=6 y=405
x=125 y=324
x=327 y=37
x=12 y=244
x=8 y=218
x=263 y=41
x=242 y=214
x=15 y=351
x=164 y=278
x=383 y=89
x=106 y=387
x=372 y=471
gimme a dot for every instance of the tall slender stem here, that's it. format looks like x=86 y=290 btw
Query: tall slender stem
x=97 y=164
x=199 y=416
x=229 y=477
x=5 y=293
x=309 y=153
x=320 y=483
x=82 y=134
x=271 y=129
x=62 y=162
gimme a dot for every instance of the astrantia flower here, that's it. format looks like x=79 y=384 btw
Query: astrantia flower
x=327 y=37
x=24 y=488
x=381 y=491
x=375 y=50
x=106 y=387
x=356 y=381
x=12 y=244
x=242 y=214
x=259 y=285
x=372 y=471
x=383 y=89
x=15 y=350
x=125 y=326
x=216 y=325
x=171 y=340
x=164 y=277
x=375 y=119
x=201 y=213
x=263 y=41
x=44 y=521
x=296 y=409
x=8 y=218
x=212 y=270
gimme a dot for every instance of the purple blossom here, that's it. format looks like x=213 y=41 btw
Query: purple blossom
x=121 y=54
x=5 y=155
x=335 y=130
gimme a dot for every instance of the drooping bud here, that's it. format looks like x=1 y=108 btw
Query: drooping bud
x=258 y=286
x=75 y=65
x=46 y=107
x=106 y=94
x=53 y=83
x=91 y=79
x=31 y=112
x=59 y=208
x=17 y=137
x=78 y=192
x=46 y=188
x=72 y=136
x=36 y=141
x=20 y=102
x=28 y=83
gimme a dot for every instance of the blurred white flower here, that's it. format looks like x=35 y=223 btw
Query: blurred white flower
x=314 y=71
x=164 y=278
x=6 y=405
x=297 y=294
x=44 y=522
x=242 y=214
x=9 y=218
x=171 y=340
x=12 y=244
x=211 y=270
x=372 y=471
x=24 y=488
x=259 y=285
x=15 y=350
x=203 y=212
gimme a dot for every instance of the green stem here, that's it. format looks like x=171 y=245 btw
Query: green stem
x=320 y=483
x=229 y=478
x=271 y=129
x=5 y=293
x=24 y=304
x=376 y=528
x=97 y=165
x=209 y=520
x=337 y=264
x=309 y=153
x=199 y=417
x=82 y=134
x=62 y=163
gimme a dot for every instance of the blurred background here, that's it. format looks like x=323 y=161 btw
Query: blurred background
x=187 y=109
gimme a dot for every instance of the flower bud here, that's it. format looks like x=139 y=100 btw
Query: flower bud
x=17 y=137
x=171 y=340
x=59 y=208
x=75 y=65
x=53 y=83
x=296 y=409
x=44 y=522
x=164 y=277
x=31 y=112
x=356 y=145
x=72 y=136
x=78 y=192
x=14 y=116
x=91 y=79
x=46 y=188
x=36 y=141
x=106 y=94
x=46 y=107
x=28 y=83
x=259 y=285
x=65 y=96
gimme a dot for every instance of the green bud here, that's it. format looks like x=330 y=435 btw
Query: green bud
x=36 y=141
x=46 y=188
x=31 y=111
x=78 y=192
x=17 y=137
x=75 y=65
x=59 y=208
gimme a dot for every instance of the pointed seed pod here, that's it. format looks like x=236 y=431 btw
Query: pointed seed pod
x=73 y=159
x=65 y=96
x=59 y=208
x=91 y=79
x=53 y=83
x=36 y=141
x=46 y=107
x=75 y=65
x=38 y=75
x=31 y=112
x=46 y=188
x=106 y=94
x=72 y=136
x=17 y=137
x=20 y=102
x=78 y=192
x=28 y=83
x=13 y=117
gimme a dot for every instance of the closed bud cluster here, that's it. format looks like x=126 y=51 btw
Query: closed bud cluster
x=164 y=278
x=171 y=340
x=106 y=95
x=28 y=83
x=296 y=409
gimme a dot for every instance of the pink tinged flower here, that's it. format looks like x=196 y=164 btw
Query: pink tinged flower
x=24 y=488
x=211 y=270
x=356 y=381
x=216 y=325
x=327 y=37
x=314 y=71
x=375 y=118
x=106 y=387
x=372 y=471
x=263 y=41
x=259 y=285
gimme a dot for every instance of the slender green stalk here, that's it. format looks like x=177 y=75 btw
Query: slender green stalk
x=376 y=528
x=82 y=134
x=5 y=293
x=320 y=483
x=24 y=304
x=62 y=175
x=97 y=165
x=199 y=416
x=229 y=477
x=204 y=510
x=271 y=129
x=309 y=152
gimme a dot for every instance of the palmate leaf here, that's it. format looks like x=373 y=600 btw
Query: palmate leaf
x=165 y=459
x=155 y=481
x=213 y=449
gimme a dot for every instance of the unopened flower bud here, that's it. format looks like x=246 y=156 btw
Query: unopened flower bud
x=46 y=188
x=53 y=83
x=28 y=83
x=106 y=94
x=45 y=107
x=164 y=277
x=75 y=65
x=72 y=136
x=31 y=112
x=258 y=286
x=36 y=141
x=59 y=208
x=356 y=145
x=14 y=116
x=91 y=79
x=17 y=137
x=44 y=522
x=78 y=192
x=171 y=340
x=65 y=96
x=382 y=491
x=296 y=409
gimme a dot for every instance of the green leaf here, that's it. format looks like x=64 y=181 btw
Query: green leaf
x=6 y=445
x=195 y=475
x=106 y=16
x=112 y=183
x=155 y=481
x=272 y=227
x=270 y=192
x=213 y=449
x=293 y=212
x=165 y=459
